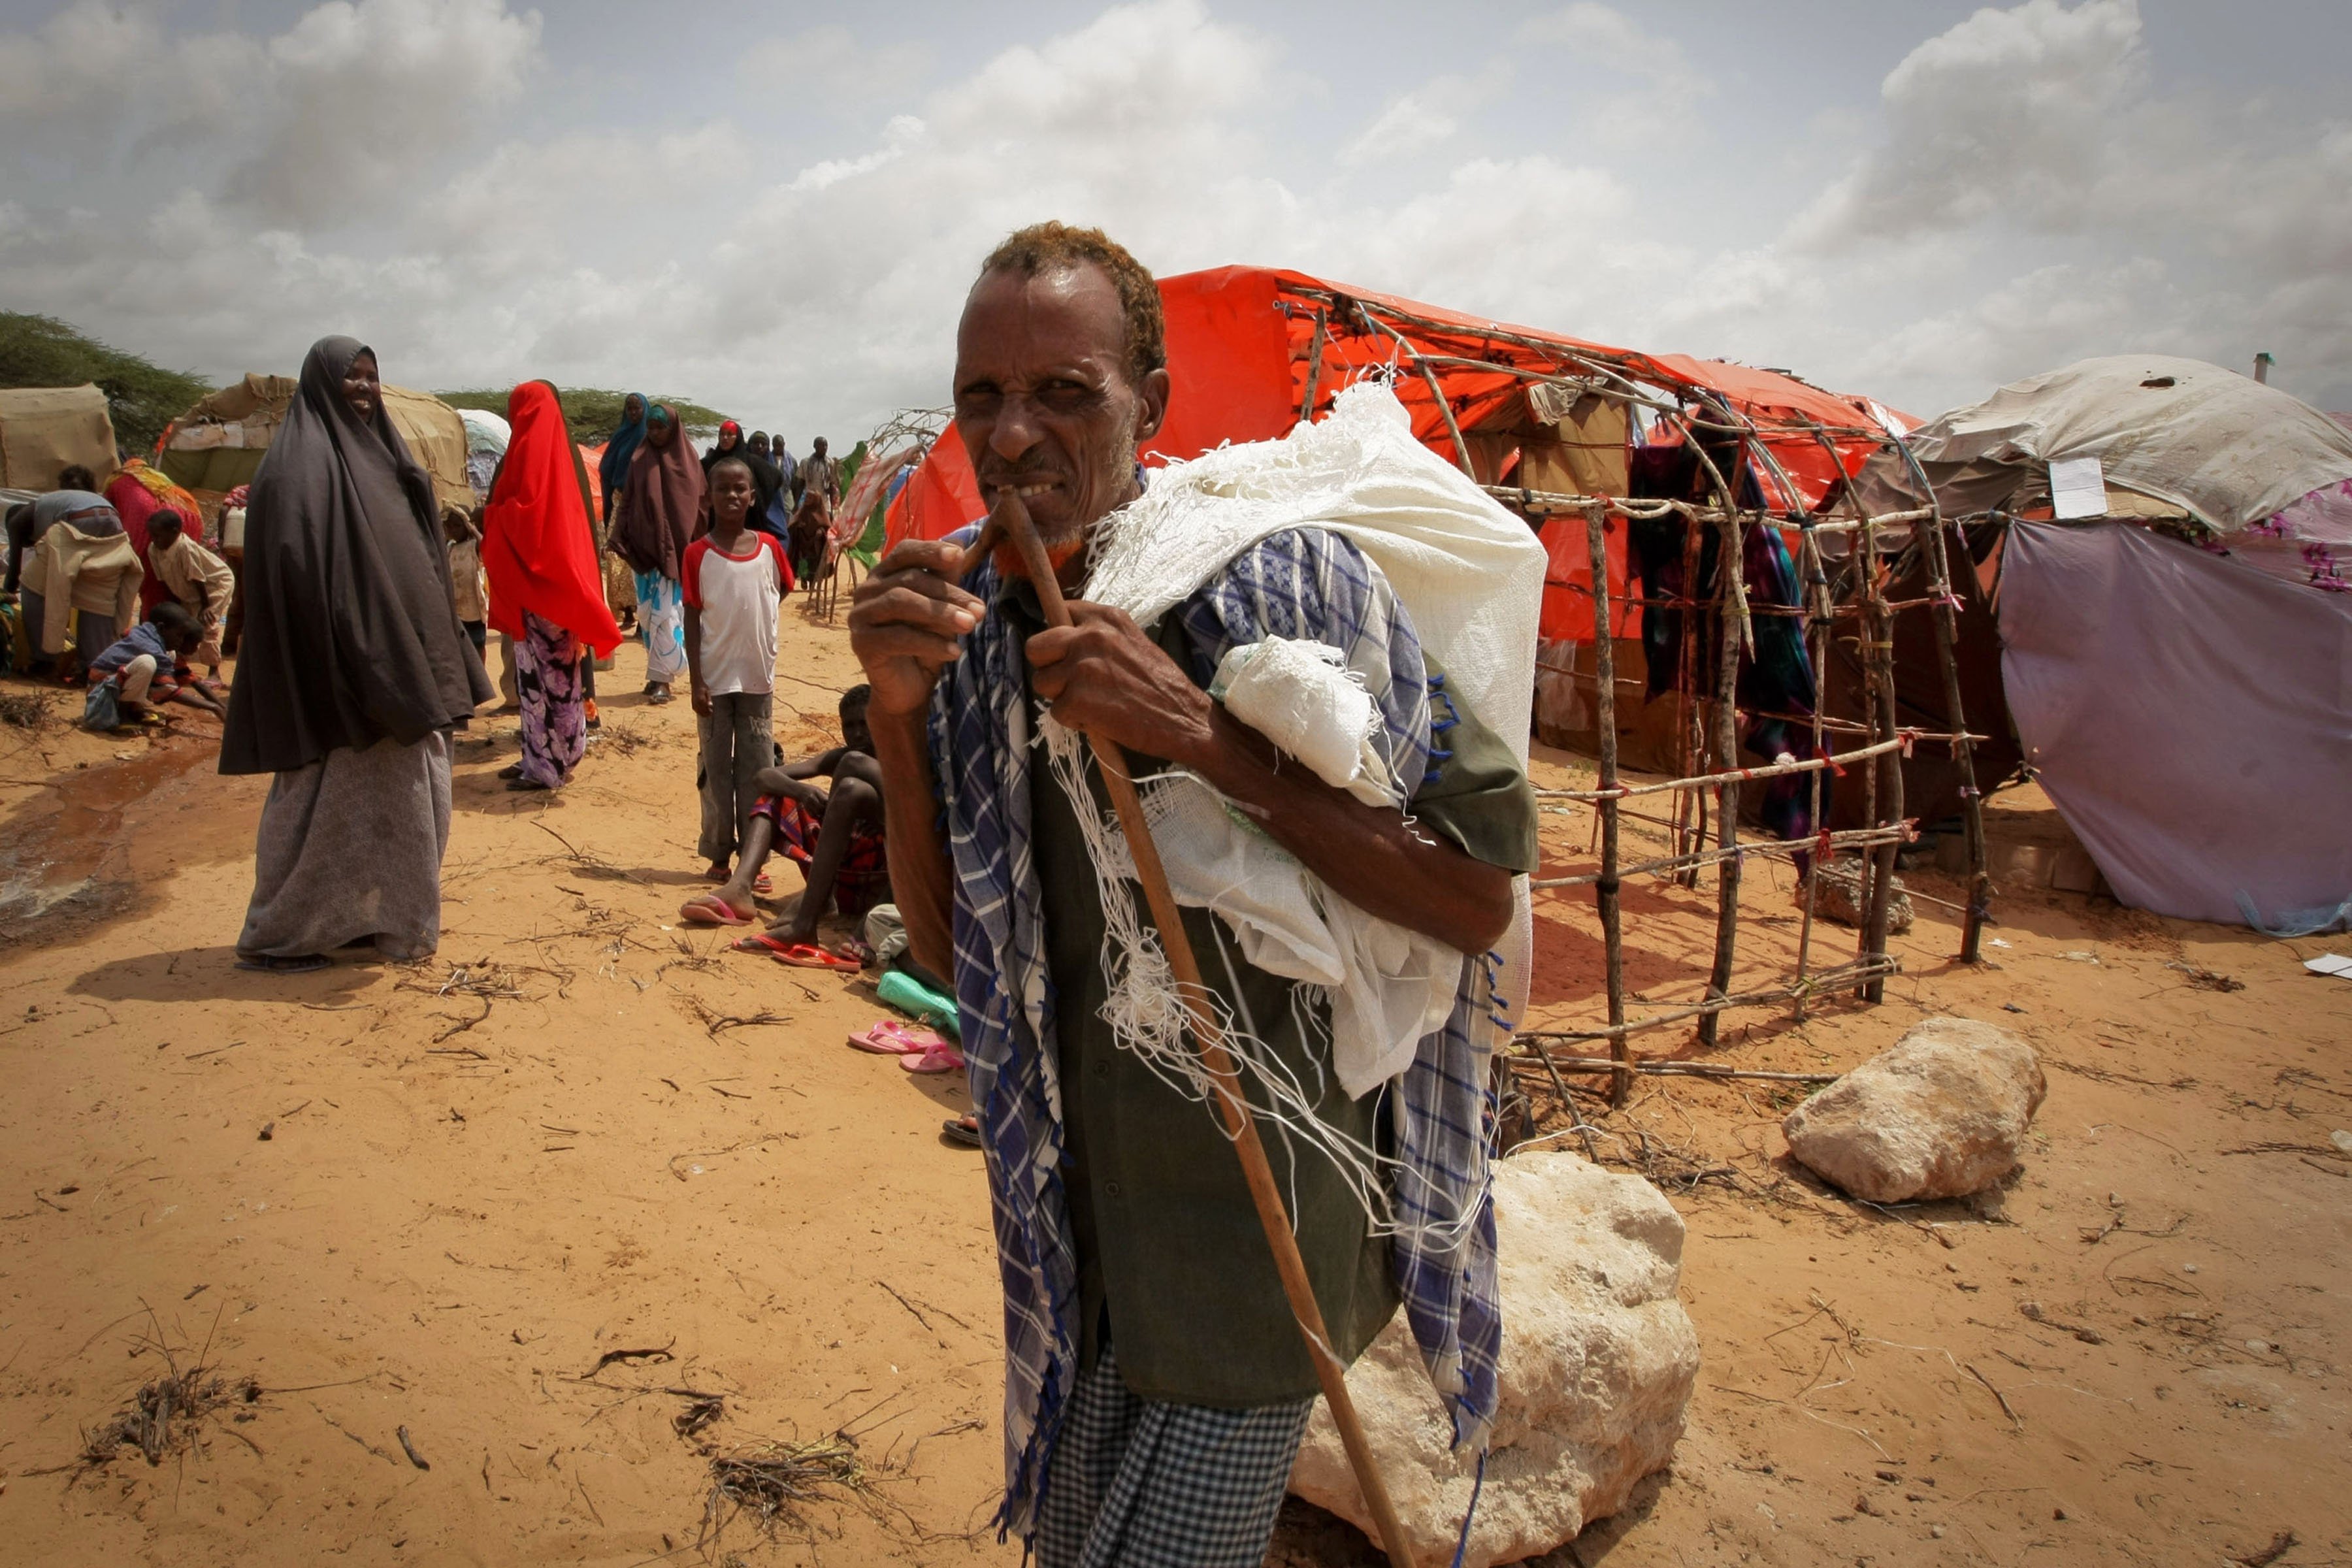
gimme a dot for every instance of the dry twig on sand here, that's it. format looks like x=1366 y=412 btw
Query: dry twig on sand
x=771 y=1481
x=588 y=863
x=162 y=1416
x=714 y=1021
x=27 y=710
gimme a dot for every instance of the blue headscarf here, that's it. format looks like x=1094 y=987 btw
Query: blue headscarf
x=614 y=470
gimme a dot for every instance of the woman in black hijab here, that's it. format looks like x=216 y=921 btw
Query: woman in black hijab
x=354 y=668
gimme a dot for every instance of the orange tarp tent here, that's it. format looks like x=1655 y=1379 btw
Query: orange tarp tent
x=1249 y=348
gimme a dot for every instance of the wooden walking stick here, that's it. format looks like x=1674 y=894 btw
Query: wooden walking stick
x=1011 y=519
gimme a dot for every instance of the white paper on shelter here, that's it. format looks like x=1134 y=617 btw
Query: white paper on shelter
x=2078 y=488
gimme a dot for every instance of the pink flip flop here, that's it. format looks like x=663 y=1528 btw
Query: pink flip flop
x=710 y=910
x=890 y=1038
x=942 y=1058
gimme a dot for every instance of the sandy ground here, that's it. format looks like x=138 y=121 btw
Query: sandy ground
x=438 y=1197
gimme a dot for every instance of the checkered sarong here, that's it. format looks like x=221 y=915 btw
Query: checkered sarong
x=1137 y=1483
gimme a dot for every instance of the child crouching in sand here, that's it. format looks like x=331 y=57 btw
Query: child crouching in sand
x=834 y=837
x=146 y=667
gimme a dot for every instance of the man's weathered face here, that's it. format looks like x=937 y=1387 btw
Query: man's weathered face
x=1043 y=398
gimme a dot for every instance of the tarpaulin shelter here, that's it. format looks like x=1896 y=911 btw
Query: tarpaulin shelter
x=217 y=443
x=2165 y=544
x=1587 y=441
x=44 y=429
x=1253 y=350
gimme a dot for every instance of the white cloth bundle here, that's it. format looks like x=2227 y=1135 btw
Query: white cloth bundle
x=1294 y=693
x=1469 y=574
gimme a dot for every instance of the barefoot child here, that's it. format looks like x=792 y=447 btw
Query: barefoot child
x=835 y=838
x=733 y=584
x=144 y=666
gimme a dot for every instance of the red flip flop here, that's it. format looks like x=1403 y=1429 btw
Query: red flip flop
x=760 y=941
x=710 y=910
x=808 y=956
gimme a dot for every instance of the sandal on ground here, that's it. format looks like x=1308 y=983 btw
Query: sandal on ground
x=890 y=1038
x=850 y=947
x=710 y=910
x=808 y=956
x=660 y=696
x=958 y=1132
x=511 y=771
x=263 y=963
x=942 y=1058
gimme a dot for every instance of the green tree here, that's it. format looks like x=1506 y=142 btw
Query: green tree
x=142 y=397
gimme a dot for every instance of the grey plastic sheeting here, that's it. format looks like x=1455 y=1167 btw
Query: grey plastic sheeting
x=2191 y=716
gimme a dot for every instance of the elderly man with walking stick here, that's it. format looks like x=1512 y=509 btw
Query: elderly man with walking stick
x=1177 y=1288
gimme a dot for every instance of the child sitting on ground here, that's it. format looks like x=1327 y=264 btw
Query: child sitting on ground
x=835 y=838
x=733 y=581
x=145 y=670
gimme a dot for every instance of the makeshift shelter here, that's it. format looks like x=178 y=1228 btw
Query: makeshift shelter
x=44 y=429
x=217 y=443
x=1690 y=477
x=2167 y=547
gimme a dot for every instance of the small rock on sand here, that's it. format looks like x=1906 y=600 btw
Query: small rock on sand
x=1940 y=1115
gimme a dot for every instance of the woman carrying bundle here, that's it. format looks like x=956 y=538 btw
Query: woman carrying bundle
x=353 y=672
x=539 y=549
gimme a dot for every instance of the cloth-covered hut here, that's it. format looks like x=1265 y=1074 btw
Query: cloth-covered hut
x=2166 y=549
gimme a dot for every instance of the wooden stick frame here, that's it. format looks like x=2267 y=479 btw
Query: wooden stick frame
x=1850 y=599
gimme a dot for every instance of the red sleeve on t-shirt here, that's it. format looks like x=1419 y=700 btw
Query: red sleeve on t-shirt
x=784 y=564
x=691 y=583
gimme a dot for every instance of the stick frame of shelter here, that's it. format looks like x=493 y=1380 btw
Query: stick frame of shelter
x=1887 y=777
x=1707 y=720
x=1612 y=930
x=1241 y=1126
x=1947 y=637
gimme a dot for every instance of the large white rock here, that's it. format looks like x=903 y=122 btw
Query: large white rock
x=1941 y=1114
x=1597 y=1362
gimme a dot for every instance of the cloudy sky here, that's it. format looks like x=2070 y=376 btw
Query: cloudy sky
x=777 y=212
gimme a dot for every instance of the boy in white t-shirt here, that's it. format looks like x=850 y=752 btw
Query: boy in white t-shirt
x=734 y=584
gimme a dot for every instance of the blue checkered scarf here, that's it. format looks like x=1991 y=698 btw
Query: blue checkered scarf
x=1300 y=584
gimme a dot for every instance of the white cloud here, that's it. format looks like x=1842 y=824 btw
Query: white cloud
x=682 y=255
x=1601 y=36
x=366 y=93
x=830 y=63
